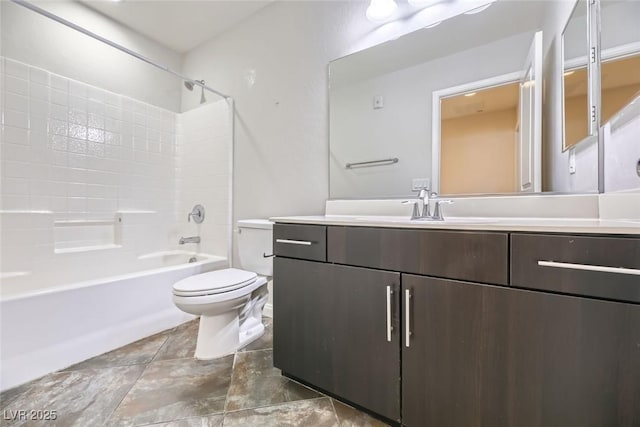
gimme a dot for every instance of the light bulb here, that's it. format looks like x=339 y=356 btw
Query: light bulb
x=381 y=10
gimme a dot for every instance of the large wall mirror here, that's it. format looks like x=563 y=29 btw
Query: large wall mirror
x=462 y=117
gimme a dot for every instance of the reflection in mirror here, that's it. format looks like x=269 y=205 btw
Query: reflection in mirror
x=620 y=96
x=478 y=134
x=381 y=102
x=576 y=83
x=620 y=69
x=620 y=84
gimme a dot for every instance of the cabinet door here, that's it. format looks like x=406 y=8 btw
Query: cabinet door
x=489 y=356
x=330 y=330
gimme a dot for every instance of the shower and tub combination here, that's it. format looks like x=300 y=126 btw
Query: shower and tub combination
x=93 y=212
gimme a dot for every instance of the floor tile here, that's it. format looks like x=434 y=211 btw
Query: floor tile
x=351 y=417
x=305 y=413
x=8 y=396
x=212 y=421
x=175 y=389
x=257 y=383
x=181 y=342
x=139 y=352
x=266 y=340
x=80 y=398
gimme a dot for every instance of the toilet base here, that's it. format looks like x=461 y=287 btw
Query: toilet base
x=217 y=335
x=224 y=333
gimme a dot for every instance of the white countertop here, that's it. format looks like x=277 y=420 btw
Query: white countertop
x=552 y=225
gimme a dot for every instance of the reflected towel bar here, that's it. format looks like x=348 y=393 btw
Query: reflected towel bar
x=370 y=163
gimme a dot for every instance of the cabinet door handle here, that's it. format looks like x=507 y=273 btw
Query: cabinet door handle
x=407 y=317
x=389 y=325
x=294 y=242
x=569 y=266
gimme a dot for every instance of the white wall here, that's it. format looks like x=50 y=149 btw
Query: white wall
x=402 y=128
x=41 y=42
x=203 y=174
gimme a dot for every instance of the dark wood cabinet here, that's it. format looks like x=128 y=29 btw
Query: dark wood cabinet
x=493 y=356
x=483 y=333
x=330 y=330
x=300 y=241
x=573 y=265
x=474 y=256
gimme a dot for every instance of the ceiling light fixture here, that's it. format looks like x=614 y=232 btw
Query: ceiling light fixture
x=381 y=10
x=470 y=94
x=478 y=9
x=568 y=73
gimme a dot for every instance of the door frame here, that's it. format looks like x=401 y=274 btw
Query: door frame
x=494 y=81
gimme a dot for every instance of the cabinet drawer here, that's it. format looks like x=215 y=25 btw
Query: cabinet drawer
x=606 y=267
x=300 y=241
x=474 y=256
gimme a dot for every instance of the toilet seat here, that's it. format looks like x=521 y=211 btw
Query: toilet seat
x=214 y=282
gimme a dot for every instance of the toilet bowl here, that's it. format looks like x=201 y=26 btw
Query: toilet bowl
x=230 y=301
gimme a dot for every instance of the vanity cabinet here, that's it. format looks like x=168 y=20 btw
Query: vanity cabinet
x=459 y=328
x=494 y=356
x=333 y=329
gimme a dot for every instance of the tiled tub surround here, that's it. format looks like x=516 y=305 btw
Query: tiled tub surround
x=155 y=382
x=87 y=168
x=92 y=183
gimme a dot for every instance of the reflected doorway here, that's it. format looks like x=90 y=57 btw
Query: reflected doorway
x=478 y=141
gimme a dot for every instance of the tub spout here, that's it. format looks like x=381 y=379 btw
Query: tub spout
x=194 y=239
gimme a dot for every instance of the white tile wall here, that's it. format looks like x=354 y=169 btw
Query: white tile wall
x=85 y=154
x=203 y=166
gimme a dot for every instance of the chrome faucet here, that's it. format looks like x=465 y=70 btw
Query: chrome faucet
x=422 y=206
x=194 y=239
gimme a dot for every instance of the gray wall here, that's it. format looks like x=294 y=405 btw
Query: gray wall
x=33 y=39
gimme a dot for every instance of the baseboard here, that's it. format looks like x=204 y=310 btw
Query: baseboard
x=268 y=310
x=42 y=361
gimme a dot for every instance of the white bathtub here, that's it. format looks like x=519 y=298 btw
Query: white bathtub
x=43 y=329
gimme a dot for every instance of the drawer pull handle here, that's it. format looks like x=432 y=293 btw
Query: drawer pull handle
x=407 y=317
x=617 y=270
x=294 y=242
x=389 y=325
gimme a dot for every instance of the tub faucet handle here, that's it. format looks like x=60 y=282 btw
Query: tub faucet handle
x=197 y=213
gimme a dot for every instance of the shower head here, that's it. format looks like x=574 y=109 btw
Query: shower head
x=189 y=84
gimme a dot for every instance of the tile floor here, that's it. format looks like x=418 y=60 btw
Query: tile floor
x=156 y=382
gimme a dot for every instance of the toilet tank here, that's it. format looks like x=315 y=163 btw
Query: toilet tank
x=254 y=241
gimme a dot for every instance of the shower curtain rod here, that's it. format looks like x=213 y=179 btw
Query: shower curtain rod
x=121 y=48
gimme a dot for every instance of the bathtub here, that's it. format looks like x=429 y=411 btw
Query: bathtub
x=45 y=328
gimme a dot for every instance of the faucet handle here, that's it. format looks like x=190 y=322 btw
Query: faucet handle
x=197 y=213
x=416 y=209
x=437 y=213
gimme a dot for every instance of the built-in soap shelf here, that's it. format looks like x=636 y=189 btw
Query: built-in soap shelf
x=81 y=235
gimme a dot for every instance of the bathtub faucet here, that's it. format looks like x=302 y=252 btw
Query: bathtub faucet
x=183 y=240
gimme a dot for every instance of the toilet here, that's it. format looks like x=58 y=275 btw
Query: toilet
x=230 y=301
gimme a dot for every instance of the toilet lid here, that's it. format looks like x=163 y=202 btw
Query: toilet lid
x=214 y=282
